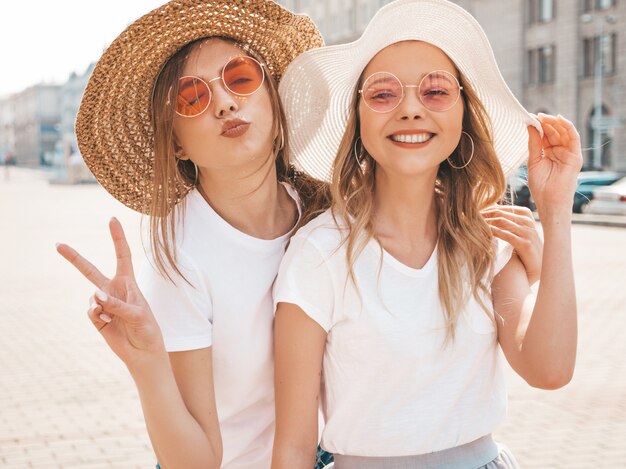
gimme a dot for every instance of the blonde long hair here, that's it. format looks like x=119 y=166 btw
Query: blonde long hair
x=164 y=210
x=464 y=249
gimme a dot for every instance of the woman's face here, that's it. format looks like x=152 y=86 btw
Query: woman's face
x=411 y=139
x=234 y=132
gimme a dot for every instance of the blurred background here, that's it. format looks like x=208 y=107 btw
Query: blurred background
x=558 y=56
x=67 y=401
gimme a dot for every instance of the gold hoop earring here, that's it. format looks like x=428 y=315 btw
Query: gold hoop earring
x=471 y=156
x=359 y=161
x=282 y=138
x=182 y=174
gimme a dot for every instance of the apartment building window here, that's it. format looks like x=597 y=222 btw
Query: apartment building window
x=588 y=57
x=531 y=68
x=541 y=65
x=546 y=64
x=590 y=5
x=540 y=11
x=604 y=4
x=592 y=46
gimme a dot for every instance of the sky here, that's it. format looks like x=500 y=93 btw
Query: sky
x=44 y=41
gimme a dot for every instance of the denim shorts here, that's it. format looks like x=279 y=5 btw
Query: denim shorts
x=322 y=459
x=483 y=453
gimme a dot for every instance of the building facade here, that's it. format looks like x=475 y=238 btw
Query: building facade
x=36 y=124
x=550 y=52
x=70 y=95
x=7 y=128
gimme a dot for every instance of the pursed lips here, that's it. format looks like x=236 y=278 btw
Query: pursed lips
x=234 y=127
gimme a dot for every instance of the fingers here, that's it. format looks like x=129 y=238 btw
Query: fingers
x=506 y=235
x=534 y=145
x=96 y=315
x=560 y=131
x=115 y=307
x=122 y=251
x=516 y=214
x=89 y=271
x=503 y=223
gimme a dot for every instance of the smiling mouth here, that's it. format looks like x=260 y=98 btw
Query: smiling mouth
x=411 y=138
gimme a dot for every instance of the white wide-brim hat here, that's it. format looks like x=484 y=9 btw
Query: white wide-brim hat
x=318 y=86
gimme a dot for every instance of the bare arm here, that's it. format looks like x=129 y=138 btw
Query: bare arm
x=181 y=430
x=183 y=425
x=299 y=348
x=539 y=336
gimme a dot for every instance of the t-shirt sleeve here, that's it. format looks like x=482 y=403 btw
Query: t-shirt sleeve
x=504 y=251
x=304 y=279
x=182 y=309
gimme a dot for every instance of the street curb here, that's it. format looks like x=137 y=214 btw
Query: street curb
x=615 y=221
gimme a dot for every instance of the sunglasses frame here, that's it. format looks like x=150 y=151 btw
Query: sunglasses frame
x=221 y=77
x=418 y=86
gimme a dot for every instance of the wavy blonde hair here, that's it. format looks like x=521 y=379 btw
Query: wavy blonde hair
x=464 y=249
x=164 y=210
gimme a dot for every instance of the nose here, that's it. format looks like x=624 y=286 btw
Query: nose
x=224 y=102
x=411 y=107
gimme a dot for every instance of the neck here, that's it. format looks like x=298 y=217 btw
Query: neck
x=250 y=200
x=405 y=216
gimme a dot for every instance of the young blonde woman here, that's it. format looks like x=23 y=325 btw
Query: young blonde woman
x=393 y=307
x=181 y=120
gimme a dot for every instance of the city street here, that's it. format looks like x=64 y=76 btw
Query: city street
x=66 y=401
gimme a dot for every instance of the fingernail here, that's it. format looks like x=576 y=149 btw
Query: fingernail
x=105 y=317
x=101 y=295
x=56 y=245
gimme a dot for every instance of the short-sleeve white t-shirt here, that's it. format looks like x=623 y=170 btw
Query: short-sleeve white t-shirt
x=391 y=387
x=227 y=305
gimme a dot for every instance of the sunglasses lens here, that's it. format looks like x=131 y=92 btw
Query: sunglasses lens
x=439 y=91
x=243 y=75
x=193 y=98
x=382 y=92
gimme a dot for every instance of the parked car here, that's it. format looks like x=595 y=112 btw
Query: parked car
x=518 y=183
x=609 y=200
x=590 y=181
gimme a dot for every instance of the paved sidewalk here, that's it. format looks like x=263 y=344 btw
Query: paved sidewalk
x=67 y=402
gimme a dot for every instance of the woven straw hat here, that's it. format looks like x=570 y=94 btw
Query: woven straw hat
x=113 y=127
x=318 y=86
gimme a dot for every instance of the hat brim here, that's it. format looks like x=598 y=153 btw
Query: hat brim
x=113 y=125
x=317 y=88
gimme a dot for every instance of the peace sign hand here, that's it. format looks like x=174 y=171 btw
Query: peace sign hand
x=118 y=309
x=554 y=163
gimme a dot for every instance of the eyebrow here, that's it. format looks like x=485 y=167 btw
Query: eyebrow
x=186 y=86
x=438 y=75
x=207 y=79
x=380 y=80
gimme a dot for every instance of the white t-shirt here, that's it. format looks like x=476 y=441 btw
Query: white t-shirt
x=390 y=387
x=228 y=306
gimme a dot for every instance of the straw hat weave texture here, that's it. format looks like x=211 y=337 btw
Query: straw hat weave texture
x=113 y=125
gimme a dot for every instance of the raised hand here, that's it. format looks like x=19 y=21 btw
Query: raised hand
x=118 y=309
x=516 y=226
x=552 y=172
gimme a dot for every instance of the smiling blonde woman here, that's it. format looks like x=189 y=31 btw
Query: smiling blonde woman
x=393 y=307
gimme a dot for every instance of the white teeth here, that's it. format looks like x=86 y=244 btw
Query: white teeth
x=411 y=138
